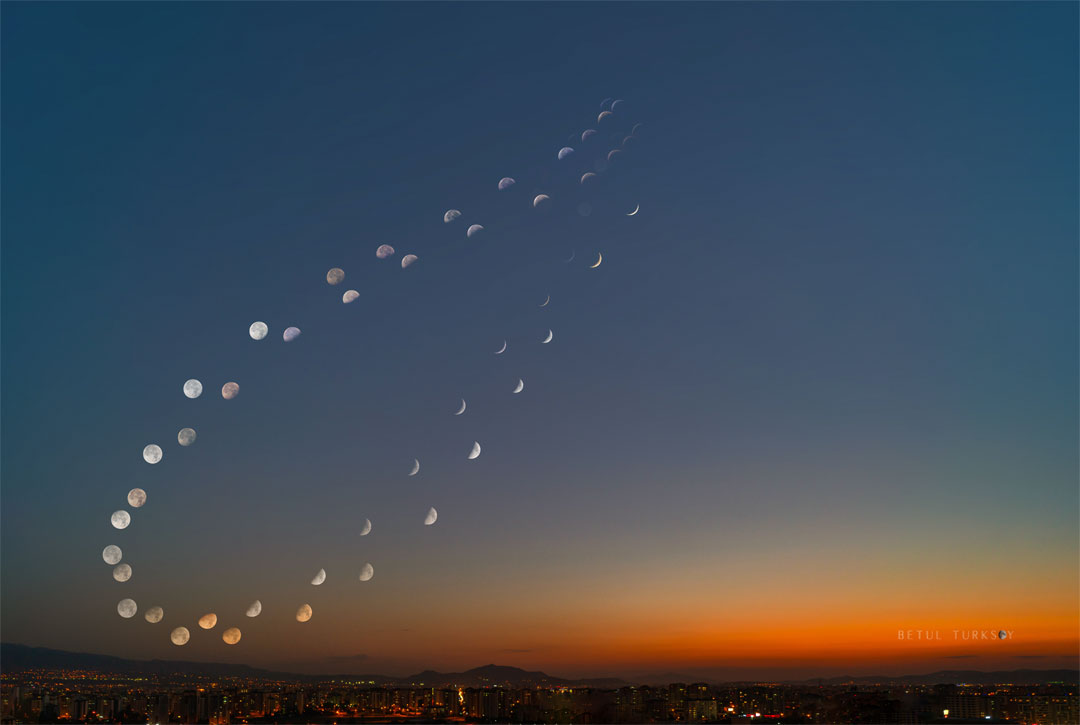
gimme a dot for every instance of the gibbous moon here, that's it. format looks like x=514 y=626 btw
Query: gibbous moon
x=349 y=296
x=545 y=302
x=193 y=388
x=208 y=621
x=431 y=517
x=180 y=636
x=120 y=519
x=635 y=211
x=564 y=152
x=154 y=615
x=368 y=571
x=415 y=468
x=540 y=199
x=547 y=339
x=122 y=572
x=474 y=453
x=304 y=613
x=384 y=251
x=502 y=349
x=407 y=260
x=152 y=453
x=505 y=183
x=230 y=390
x=136 y=498
x=520 y=386
x=450 y=215
x=587 y=176
x=186 y=436
x=599 y=259
x=258 y=330
x=254 y=609
x=462 y=408
x=127 y=608
x=319 y=578
x=587 y=133
x=335 y=275
x=290 y=334
x=231 y=635
x=112 y=554
x=602 y=116
x=366 y=528
x=473 y=231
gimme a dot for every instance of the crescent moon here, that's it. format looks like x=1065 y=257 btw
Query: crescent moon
x=635 y=211
x=475 y=452
x=572 y=254
x=547 y=339
x=366 y=528
x=415 y=468
x=520 y=386
x=599 y=259
x=502 y=349
x=545 y=302
x=431 y=517
x=462 y=410
x=319 y=578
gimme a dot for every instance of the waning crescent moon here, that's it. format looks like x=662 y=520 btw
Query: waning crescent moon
x=547 y=339
x=635 y=211
x=431 y=517
x=416 y=467
x=572 y=253
x=520 y=386
x=599 y=259
x=545 y=302
x=502 y=349
x=475 y=452
x=462 y=407
x=366 y=528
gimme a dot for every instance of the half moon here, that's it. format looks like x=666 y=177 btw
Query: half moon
x=180 y=636
x=258 y=330
x=473 y=230
x=366 y=528
x=431 y=517
x=193 y=388
x=450 y=215
x=319 y=578
x=407 y=260
x=290 y=334
x=540 y=199
x=475 y=452
x=349 y=296
x=208 y=621
x=231 y=635
x=127 y=608
x=502 y=349
x=304 y=613
x=462 y=409
x=599 y=259
x=520 y=386
x=635 y=211
x=547 y=339
x=366 y=572
x=254 y=609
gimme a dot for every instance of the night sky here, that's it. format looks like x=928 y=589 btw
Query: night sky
x=822 y=388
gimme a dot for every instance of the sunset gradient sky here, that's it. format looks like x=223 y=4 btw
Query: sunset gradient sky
x=822 y=389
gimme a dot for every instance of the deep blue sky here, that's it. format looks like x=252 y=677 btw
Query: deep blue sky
x=842 y=329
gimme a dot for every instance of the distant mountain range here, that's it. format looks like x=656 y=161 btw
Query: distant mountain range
x=14 y=657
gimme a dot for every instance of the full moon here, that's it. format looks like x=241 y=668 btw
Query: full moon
x=136 y=498
x=304 y=613
x=231 y=635
x=154 y=615
x=230 y=390
x=254 y=609
x=122 y=572
x=112 y=554
x=152 y=453
x=193 y=388
x=258 y=330
x=127 y=608
x=186 y=436
x=208 y=621
x=366 y=572
x=335 y=275
x=180 y=636
x=120 y=519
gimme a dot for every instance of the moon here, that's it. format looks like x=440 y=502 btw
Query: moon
x=586 y=176
x=615 y=103
x=587 y=133
x=254 y=609
x=304 y=613
x=520 y=386
x=186 y=436
x=335 y=276
x=415 y=468
x=366 y=528
x=193 y=388
x=572 y=255
x=599 y=259
x=473 y=230
x=180 y=636
x=602 y=116
x=633 y=131
x=613 y=153
x=540 y=199
x=604 y=103
x=290 y=334
x=152 y=453
x=505 y=183
x=547 y=339
x=564 y=152
x=154 y=615
x=258 y=330
x=136 y=498
x=384 y=251
x=230 y=390
x=635 y=211
x=545 y=302
x=231 y=635
x=475 y=452
x=349 y=296
x=112 y=554
x=120 y=519
x=431 y=517
x=407 y=260
x=502 y=349
x=127 y=608
x=450 y=215
x=208 y=621
x=319 y=578
x=121 y=572
x=368 y=571
x=462 y=408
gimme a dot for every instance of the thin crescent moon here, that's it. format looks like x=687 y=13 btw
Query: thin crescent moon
x=572 y=253
x=520 y=386
x=502 y=349
x=545 y=302
x=635 y=211
x=547 y=339
x=462 y=407
x=416 y=467
x=599 y=259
